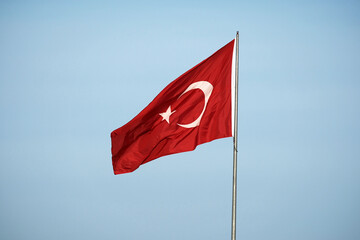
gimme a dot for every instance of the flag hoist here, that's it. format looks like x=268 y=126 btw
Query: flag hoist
x=199 y=106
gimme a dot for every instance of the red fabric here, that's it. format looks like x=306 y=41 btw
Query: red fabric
x=149 y=136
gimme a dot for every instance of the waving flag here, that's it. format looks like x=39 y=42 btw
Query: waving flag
x=193 y=109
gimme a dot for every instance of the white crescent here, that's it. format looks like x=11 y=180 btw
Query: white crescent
x=206 y=88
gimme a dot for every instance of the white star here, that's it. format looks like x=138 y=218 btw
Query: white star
x=166 y=115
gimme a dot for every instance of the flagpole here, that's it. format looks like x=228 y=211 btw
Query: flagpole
x=233 y=224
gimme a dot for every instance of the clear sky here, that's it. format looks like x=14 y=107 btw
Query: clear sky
x=70 y=73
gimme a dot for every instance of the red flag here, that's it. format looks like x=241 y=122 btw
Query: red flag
x=193 y=109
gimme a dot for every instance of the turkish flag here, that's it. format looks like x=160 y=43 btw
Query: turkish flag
x=193 y=109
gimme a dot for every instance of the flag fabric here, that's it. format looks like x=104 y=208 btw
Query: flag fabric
x=193 y=109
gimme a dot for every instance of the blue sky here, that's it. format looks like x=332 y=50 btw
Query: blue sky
x=70 y=73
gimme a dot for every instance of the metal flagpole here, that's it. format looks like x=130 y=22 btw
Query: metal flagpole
x=233 y=225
